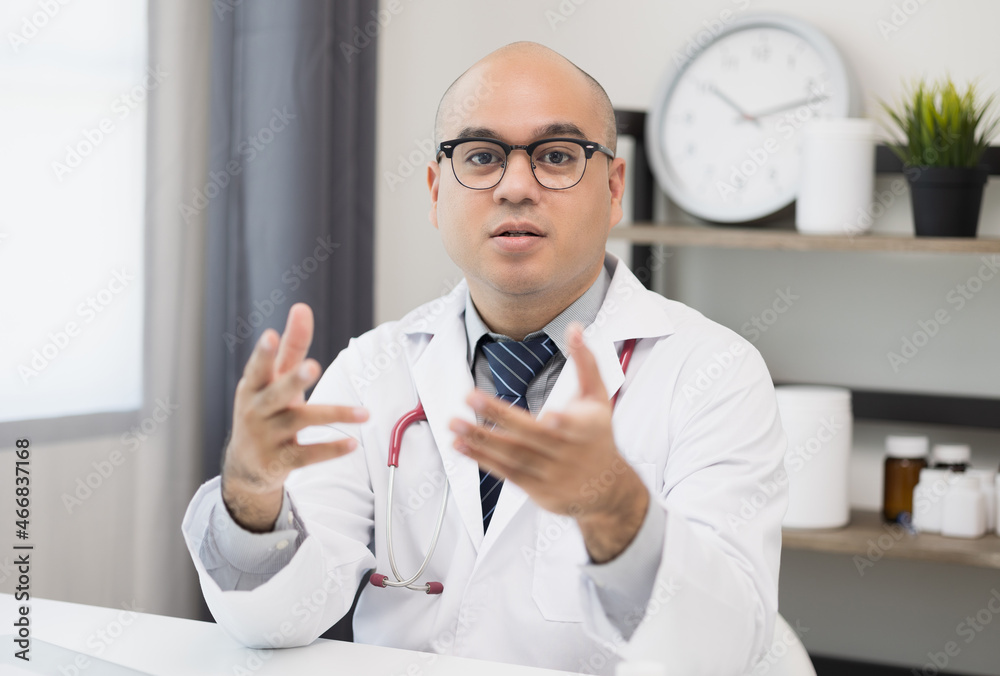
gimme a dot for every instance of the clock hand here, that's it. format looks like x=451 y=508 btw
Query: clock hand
x=795 y=104
x=732 y=104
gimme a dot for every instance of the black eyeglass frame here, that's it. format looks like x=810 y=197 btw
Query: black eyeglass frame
x=589 y=148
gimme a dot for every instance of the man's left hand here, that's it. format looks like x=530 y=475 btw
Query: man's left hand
x=565 y=461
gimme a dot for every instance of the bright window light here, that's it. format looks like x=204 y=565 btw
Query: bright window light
x=74 y=80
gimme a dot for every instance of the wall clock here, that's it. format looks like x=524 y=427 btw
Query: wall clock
x=723 y=131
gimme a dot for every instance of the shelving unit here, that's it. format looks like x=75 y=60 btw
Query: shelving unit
x=869 y=538
x=644 y=234
x=866 y=536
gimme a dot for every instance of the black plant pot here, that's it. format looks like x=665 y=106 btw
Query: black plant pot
x=946 y=200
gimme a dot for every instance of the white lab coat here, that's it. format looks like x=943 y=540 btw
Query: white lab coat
x=697 y=419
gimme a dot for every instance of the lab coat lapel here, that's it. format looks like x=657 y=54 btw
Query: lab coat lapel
x=443 y=380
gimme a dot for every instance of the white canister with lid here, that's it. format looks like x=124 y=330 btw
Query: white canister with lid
x=819 y=427
x=964 y=509
x=928 y=499
x=987 y=484
x=837 y=177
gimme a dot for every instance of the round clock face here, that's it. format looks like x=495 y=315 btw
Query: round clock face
x=724 y=133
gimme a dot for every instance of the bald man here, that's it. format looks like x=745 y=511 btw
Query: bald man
x=608 y=462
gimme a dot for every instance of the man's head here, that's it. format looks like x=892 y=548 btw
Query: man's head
x=519 y=94
x=451 y=106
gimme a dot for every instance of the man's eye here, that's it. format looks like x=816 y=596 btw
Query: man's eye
x=556 y=156
x=481 y=157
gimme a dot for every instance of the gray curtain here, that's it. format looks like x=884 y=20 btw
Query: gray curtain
x=289 y=196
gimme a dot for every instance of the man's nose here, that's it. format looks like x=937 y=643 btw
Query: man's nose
x=518 y=183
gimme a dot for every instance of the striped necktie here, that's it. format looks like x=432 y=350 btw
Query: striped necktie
x=513 y=365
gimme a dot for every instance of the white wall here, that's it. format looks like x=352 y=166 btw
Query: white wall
x=855 y=307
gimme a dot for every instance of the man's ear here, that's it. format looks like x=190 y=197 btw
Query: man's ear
x=433 y=184
x=616 y=186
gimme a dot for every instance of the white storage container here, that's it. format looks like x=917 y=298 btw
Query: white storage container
x=819 y=427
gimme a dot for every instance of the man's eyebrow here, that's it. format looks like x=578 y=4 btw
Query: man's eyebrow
x=546 y=131
x=559 y=129
x=481 y=132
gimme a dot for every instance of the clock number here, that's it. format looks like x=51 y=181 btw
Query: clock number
x=730 y=62
x=760 y=52
x=814 y=90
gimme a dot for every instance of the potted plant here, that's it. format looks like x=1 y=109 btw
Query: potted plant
x=945 y=135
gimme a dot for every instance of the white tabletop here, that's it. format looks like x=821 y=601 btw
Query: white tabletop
x=153 y=644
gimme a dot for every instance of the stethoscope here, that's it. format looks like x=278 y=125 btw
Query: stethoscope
x=395 y=442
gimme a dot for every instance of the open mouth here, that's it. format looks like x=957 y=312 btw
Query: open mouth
x=516 y=233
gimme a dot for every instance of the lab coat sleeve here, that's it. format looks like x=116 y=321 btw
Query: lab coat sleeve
x=715 y=594
x=624 y=584
x=238 y=559
x=333 y=503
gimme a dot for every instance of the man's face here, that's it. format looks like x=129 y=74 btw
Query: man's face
x=519 y=99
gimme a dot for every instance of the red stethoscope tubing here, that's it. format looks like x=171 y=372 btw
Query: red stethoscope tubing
x=395 y=443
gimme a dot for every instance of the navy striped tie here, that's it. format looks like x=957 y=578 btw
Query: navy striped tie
x=513 y=366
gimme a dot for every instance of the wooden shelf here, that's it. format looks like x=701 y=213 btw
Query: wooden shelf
x=862 y=535
x=789 y=240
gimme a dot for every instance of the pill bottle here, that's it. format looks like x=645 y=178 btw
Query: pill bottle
x=951 y=456
x=964 y=509
x=905 y=457
x=987 y=479
x=928 y=499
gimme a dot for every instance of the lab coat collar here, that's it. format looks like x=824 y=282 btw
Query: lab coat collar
x=443 y=381
x=629 y=310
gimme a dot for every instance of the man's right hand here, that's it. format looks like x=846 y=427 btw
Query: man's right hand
x=268 y=411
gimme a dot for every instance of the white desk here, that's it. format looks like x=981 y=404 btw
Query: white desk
x=154 y=644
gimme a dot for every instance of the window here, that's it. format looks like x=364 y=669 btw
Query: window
x=74 y=81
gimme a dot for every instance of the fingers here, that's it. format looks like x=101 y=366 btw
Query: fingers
x=257 y=372
x=290 y=421
x=513 y=422
x=287 y=389
x=296 y=339
x=591 y=385
x=292 y=456
x=503 y=457
x=518 y=446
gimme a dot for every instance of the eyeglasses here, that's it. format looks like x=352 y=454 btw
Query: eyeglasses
x=556 y=163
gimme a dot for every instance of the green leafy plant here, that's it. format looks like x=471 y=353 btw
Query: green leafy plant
x=940 y=125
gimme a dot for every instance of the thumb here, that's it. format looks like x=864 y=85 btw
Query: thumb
x=591 y=385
